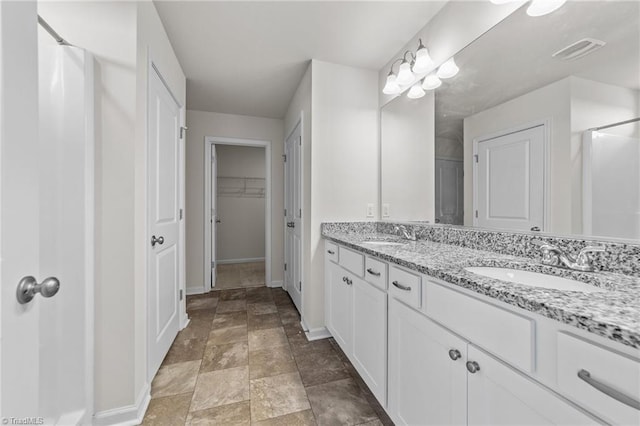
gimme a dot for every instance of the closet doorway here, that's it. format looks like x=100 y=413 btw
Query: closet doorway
x=237 y=213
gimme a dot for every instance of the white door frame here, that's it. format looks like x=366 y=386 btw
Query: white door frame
x=546 y=124
x=183 y=320
x=257 y=143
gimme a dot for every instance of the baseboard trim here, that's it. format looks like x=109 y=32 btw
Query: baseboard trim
x=314 y=333
x=275 y=284
x=195 y=290
x=129 y=415
x=245 y=260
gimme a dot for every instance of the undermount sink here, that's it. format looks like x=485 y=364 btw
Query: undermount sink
x=533 y=279
x=383 y=243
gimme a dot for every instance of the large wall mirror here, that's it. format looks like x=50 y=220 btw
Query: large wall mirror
x=537 y=132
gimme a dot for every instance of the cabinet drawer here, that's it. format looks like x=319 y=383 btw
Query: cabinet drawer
x=331 y=251
x=405 y=286
x=505 y=334
x=599 y=379
x=351 y=261
x=375 y=272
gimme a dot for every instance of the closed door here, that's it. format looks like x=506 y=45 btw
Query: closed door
x=214 y=214
x=427 y=376
x=293 y=218
x=449 y=191
x=46 y=225
x=498 y=395
x=164 y=126
x=509 y=187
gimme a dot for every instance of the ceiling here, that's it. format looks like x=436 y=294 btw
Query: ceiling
x=514 y=58
x=249 y=57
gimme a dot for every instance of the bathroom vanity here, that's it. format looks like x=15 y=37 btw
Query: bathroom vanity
x=439 y=344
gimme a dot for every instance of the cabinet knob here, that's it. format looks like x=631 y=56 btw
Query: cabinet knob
x=454 y=354
x=473 y=367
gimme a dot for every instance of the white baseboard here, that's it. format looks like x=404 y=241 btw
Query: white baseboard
x=275 y=284
x=246 y=260
x=314 y=333
x=195 y=290
x=129 y=415
x=184 y=322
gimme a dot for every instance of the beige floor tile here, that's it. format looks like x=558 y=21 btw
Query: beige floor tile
x=169 y=411
x=267 y=338
x=276 y=396
x=260 y=322
x=320 y=367
x=225 y=306
x=231 y=319
x=174 y=379
x=221 y=387
x=233 y=294
x=241 y=275
x=223 y=336
x=220 y=357
x=185 y=350
x=300 y=418
x=237 y=414
x=340 y=403
x=271 y=362
x=261 y=308
x=201 y=303
x=197 y=328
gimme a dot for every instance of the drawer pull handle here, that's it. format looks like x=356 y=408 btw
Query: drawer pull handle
x=401 y=287
x=374 y=273
x=454 y=354
x=331 y=252
x=347 y=280
x=613 y=393
x=473 y=367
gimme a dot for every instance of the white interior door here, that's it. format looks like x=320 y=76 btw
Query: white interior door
x=293 y=217
x=449 y=191
x=46 y=224
x=163 y=133
x=509 y=182
x=214 y=214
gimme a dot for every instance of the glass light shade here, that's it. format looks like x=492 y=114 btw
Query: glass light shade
x=501 y=1
x=431 y=82
x=416 y=91
x=391 y=87
x=423 y=61
x=405 y=76
x=544 y=7
x=448 y=69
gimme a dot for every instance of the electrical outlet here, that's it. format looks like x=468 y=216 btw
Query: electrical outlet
x=370 y=210
x=385 y=210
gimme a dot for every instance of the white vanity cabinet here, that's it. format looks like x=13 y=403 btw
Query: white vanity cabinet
x=356 y=315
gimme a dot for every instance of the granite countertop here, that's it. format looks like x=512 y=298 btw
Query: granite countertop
x=614 y=314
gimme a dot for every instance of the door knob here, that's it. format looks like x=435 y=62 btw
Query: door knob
x=154 y=240
x=218 y=221
x=28 y=287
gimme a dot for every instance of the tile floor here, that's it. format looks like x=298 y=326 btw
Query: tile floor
x=240 y=275
x=244 y=360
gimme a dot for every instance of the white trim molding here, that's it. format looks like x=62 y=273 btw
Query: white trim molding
x=128 y=415
x=214 y=140
x=275 y=284
x=315 y=333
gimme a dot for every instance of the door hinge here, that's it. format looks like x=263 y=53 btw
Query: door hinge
x=213 y=264
x=180 y=214
x=476 y=213
x=300 y=285
x=285 y=266
x=285 y=212
x=183 y=130
x=284 y=157
x=180 y=294
x=476 y=157
x=300 y=140
x=300 y=213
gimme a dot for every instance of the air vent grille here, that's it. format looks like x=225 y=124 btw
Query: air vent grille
x=579 y=49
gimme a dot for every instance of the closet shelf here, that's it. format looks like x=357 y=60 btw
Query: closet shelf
x=241 y=187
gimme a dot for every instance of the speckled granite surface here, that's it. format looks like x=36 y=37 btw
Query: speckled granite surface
x=614 y=314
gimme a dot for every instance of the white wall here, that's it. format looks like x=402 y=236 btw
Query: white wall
x=242 y=229
x=203 y=124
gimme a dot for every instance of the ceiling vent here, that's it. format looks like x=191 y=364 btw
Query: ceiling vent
x=579 y=49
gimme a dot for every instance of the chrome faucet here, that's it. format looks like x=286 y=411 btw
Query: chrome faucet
x=555 y=256
x=408 y=234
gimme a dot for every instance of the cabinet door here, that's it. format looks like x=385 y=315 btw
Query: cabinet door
x=426 y=386
x=499 y=395
x=370 y=336
x=338 y=309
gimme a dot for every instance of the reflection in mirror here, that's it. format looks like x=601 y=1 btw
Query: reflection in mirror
x=521 y=109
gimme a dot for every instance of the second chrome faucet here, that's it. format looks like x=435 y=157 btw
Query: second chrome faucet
x=555 y=256
x=409 y=234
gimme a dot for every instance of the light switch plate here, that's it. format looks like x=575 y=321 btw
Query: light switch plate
x=370 y=210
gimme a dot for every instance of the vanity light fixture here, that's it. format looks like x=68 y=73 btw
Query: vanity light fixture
x=405 y=75
x=448 y=69
x=423 y=61
x=544 y=7
x=392 y=87
x=431 y=82
x=416 y=91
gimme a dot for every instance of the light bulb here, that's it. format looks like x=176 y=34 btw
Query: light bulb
x=431 y=82
x=423 y=61
x=544 y=7
x=448 y=69
x=391 y=87
x=405 y=76
x=416 y=91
